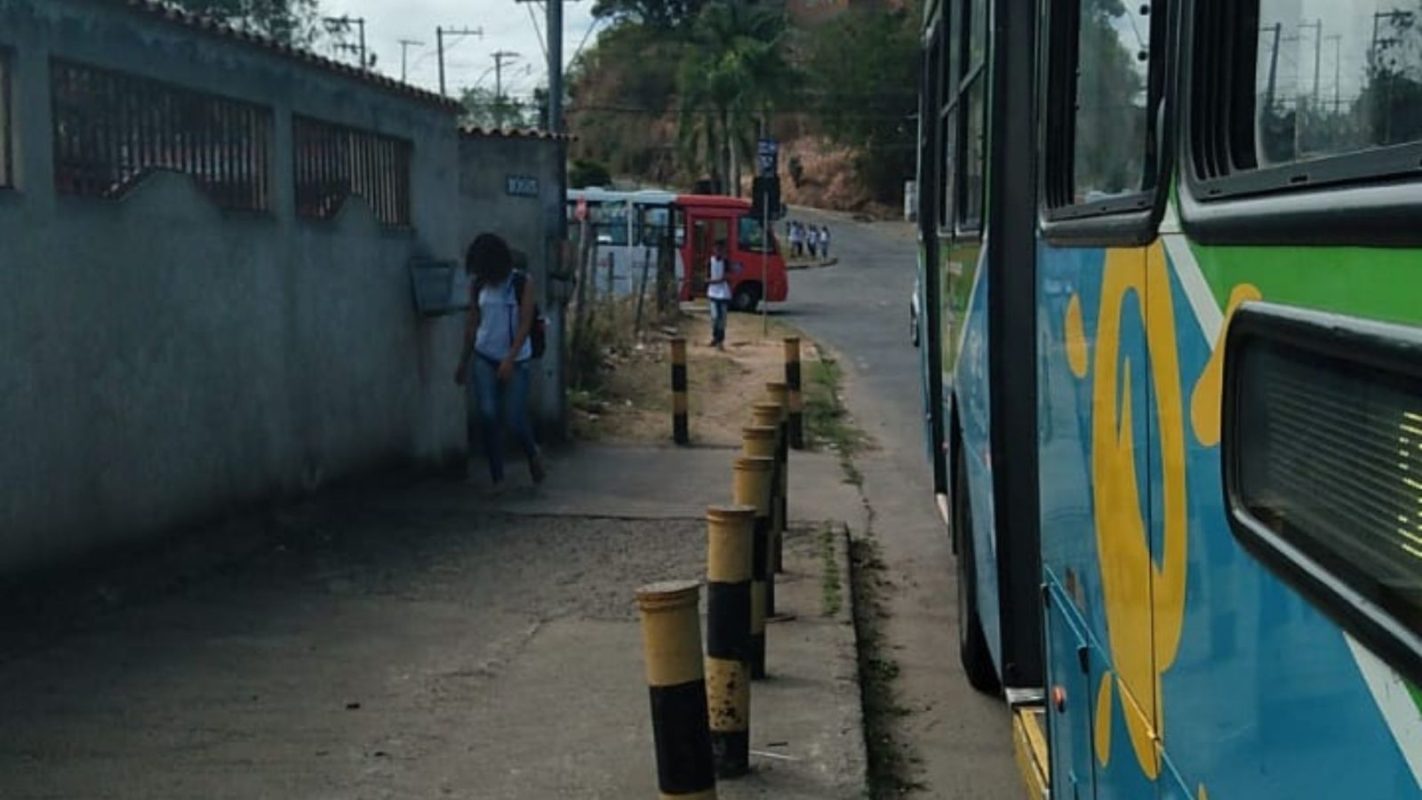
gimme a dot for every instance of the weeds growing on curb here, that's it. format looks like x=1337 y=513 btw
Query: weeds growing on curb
x=827 y=421
x=831 y=590
x=890 y=763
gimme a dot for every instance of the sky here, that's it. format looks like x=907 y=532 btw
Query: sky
x=468 y=60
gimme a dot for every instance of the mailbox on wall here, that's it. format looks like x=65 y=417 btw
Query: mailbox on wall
x=439 y=287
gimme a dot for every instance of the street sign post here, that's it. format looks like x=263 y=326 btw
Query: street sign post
x=767 y=158
x=765 y=193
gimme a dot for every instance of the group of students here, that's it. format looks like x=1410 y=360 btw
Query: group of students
x=812 y=239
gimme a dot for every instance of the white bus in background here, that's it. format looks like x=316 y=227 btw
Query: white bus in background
x=629 y=227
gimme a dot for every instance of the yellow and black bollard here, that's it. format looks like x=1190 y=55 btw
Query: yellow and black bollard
x=779 y=394
x=729 y=550
x=752 y=488
x=767 y=414
x=758 y=441
x=795 y=399
x=681 y=434
x=671 y=638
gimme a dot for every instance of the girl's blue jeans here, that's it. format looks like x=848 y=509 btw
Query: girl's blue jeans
x=500 y=404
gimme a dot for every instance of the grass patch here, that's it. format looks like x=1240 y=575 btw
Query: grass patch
x=831 y=590
x=827 y=422
x=890 y=759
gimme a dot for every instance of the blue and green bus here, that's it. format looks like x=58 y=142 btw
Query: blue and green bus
x=1171 y=277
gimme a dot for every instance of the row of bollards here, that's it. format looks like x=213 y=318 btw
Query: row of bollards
x=789 y=395
x=701 y=704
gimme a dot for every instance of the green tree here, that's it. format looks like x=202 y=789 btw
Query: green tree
x=292 y=22
x=483 y=110
x=734 y=73
x=586 y=173
x=658 y=14
x=862 y=72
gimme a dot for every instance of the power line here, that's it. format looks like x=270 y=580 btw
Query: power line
x=542 y=43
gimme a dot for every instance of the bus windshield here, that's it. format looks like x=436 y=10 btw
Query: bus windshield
x=751 y=234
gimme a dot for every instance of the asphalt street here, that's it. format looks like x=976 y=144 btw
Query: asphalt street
x=959 y=740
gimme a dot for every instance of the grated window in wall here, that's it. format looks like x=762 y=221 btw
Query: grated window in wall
x=6 y=168
x=111 y=129
x=334 y=162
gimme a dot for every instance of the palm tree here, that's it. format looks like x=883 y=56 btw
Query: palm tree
x=733 y=72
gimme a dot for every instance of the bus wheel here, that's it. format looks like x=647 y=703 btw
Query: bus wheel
x=972 y=645
x=746 y=298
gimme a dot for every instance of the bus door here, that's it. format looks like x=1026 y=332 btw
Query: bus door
x=706 y=231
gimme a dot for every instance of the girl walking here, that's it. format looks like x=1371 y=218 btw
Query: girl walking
x=496 y=335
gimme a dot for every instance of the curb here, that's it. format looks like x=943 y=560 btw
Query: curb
x=799 y=265
x=860 y=765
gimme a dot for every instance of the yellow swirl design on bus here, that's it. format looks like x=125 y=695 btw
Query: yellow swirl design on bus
x=1205 y=401
x=1145 y=604
x=1076 y=343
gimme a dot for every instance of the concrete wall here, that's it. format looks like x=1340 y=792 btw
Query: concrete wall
x=164 y=360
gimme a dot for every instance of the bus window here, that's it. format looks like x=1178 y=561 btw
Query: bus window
x=1335 y=77
x=751 y=236
x=1314 y=92
x=610 y=222
x=1322 y=448
x=1108 y=157
x=653 y=225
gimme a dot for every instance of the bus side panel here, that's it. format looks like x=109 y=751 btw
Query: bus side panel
x=1069 y=704
x=1097 y=439
x=929 y=341
x=972 y=397
x=1266 y=696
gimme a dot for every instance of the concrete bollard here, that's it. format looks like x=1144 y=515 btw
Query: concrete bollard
x=729 y=550
x=671 y=639
x=681 y=433
x=752 y=488
x=758 y=441
x=795 y=399
x=779 y=393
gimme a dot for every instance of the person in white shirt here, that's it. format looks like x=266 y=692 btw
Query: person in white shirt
x=718 y=294
x=824 y=242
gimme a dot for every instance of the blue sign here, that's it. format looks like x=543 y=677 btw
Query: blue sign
x=767 y=158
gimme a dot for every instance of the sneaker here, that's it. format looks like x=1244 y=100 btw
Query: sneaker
x=536 y=470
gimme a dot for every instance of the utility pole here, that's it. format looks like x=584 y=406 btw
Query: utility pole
x=554 y=50
x=500 y=56
x=343 y=25
x=404 y=49
x=1317 y=54
x=1337 y=71
x=555 y=65
x=1273 y=69
x=440 y=33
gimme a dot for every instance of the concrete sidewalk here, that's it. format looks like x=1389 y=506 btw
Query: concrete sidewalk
x=417 y=641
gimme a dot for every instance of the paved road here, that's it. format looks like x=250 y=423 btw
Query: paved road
x=961 y=739
x=413 y=641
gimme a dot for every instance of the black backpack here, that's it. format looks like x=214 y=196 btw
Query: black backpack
x=538 y=332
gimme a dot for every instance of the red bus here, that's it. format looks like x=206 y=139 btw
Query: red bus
x=757 y=265
x=629 y=227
